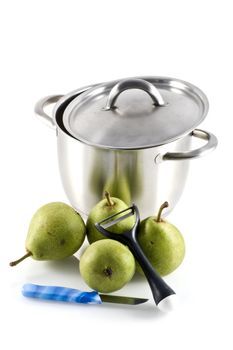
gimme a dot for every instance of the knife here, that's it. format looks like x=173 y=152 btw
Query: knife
x=75 y=296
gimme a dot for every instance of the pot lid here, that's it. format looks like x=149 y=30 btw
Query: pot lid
x=135 y=113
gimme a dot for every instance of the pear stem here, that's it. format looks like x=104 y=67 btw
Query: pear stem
x=163 y=206
x=109 y=199
x=16 y=262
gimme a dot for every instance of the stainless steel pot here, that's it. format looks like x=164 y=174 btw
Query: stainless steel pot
x=138 y=151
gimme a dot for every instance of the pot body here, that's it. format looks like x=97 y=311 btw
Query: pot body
x=132 y=175
x=146 y=177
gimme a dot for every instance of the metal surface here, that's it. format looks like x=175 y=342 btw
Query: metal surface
x=196 y=153
x=40 y=106
x=128 y=84
x=136 y=123
x=122 y=300
x=87 y=171
x=108 y=222
x=58 y=100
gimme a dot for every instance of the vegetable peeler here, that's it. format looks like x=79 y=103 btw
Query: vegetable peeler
x=160 y=290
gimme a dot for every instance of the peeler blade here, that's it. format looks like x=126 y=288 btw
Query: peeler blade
x=108 y=222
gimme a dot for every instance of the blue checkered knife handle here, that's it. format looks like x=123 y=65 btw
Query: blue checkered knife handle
x=60 y=294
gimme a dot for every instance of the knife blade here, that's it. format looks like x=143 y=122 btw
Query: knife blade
x=75 y=296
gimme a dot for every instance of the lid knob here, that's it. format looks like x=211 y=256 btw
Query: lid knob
x=127 y=84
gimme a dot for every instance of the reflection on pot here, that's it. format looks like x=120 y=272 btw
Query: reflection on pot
x=117 y=172
x=96 y=176
x=118 y=181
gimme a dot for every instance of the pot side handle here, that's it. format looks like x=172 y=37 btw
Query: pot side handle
x=199 y=152
x=40 y=106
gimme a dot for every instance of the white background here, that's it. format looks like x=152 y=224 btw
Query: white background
x=50 y=47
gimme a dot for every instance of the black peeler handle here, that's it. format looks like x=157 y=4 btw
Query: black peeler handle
x=159 y=287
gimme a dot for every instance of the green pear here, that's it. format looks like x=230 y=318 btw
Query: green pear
x=105 y=208
x=107 y=265
x=161 y=242
x=119 y=188
x=56 y=231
